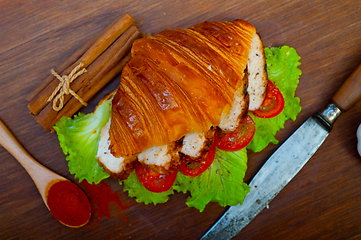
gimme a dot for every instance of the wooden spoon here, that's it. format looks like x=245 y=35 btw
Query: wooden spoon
x=43 y=178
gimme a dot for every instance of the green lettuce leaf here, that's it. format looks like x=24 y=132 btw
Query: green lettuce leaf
x=282 y=69
x=222 y=182
x=79 y=139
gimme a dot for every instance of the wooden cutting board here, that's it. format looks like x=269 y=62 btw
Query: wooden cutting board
x=322 y=202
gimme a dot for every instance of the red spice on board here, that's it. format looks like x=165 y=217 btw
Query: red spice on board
x=69 y=204
x=101 y=195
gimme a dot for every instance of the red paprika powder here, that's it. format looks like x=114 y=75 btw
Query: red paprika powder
x=101 y=195
x=69 y=204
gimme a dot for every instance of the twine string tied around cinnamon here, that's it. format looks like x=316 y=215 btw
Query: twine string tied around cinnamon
x=64 y=87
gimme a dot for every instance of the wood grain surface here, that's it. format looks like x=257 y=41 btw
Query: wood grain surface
x=322 y=202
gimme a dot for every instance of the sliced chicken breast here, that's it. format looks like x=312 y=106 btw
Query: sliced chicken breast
x=257 y=86
x=193 y=143
x=196 y=145
x=257 y=79
x=230 y=121
x=104 y=155
x=117 y=167
x=162 y=159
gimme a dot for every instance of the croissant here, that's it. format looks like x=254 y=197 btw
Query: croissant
x=178 y=86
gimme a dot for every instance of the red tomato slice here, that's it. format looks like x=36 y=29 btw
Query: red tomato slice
x=193 y=169
x=153 y=181
x=273 y=103
x=236 y=140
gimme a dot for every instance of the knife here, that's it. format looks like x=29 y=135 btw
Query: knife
x=287 y=161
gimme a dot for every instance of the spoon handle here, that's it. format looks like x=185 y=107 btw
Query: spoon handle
x=40 y=174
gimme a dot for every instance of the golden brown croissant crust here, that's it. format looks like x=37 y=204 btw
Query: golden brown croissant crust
x=178 y=81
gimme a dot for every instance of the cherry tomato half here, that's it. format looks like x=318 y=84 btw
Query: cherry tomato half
x=193 y=169
x=153 y=181
x=236 y=140
x=273 y=103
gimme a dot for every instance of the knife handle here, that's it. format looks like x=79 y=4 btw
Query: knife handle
x=350 y=91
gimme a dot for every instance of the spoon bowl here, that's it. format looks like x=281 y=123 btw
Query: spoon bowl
x=43 y=178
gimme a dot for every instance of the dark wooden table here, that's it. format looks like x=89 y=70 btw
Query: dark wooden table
x=322 y=202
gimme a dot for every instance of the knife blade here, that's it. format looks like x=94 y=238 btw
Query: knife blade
x=287 y=161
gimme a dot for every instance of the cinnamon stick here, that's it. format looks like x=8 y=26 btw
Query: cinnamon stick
x=38 y=102
x=48 y=117
x=120 y=45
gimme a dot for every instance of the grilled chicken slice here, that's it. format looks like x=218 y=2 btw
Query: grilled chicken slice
x=230 y=121
x=117 y=167
x=257 y=74
x=196 y=145
x=193 y=143
x=256 y=77
x=161 y=159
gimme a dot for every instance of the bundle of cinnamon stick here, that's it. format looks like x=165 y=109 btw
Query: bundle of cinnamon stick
x=81 y=76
